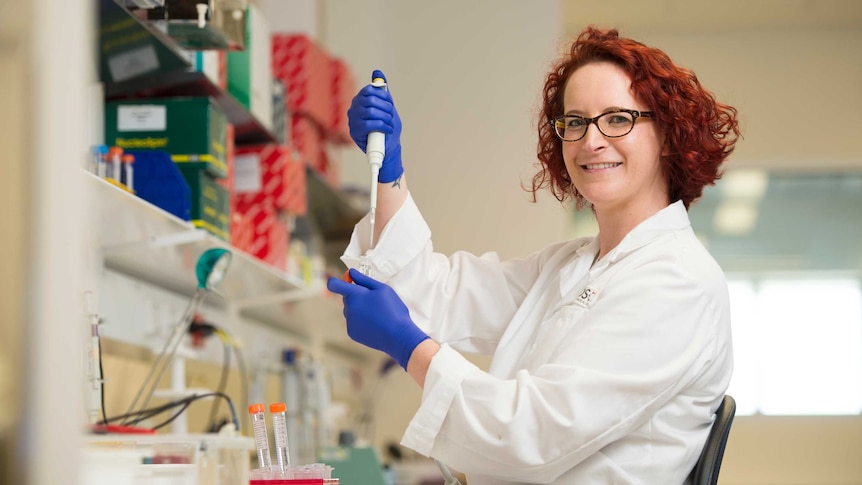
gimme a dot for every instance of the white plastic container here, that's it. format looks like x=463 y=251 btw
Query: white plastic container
x=167 y=459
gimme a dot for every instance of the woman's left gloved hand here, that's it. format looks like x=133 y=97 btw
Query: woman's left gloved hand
x=372 y=109
x=376 y=316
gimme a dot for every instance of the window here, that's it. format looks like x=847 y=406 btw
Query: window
x=797 y=345
x=791 y=246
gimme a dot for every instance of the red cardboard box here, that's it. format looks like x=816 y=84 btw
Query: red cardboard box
x=313 y=149
x=222 y=69
x=272 y=165
x=332 y=165
x=270 y=237
x=297 y=188
x=307 y=137
x=279 y=240
x=241 y=231
x=343 y=90
x=306 y=71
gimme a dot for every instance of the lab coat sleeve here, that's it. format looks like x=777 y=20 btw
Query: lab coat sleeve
x=641 y=343
x=463 y=299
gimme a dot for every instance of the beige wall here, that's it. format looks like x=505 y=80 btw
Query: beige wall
x=13 y=62
x=45 y=64
x=784 y=450
x=788 y=85
x=466 y=94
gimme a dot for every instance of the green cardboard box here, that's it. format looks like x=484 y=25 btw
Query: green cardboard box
x=210 y=201
x=239 y=69
x=191 y=129
x=249 y=71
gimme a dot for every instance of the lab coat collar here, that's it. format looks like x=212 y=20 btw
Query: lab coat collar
x=674 y=217
x=572 y=272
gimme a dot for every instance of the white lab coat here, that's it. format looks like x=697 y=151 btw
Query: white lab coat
x=602 y=374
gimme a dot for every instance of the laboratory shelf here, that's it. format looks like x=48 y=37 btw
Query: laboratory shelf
x=332 y=210
x=248 y=130
x=143 y=241
x=137 y=60
x=129 y=48
x=334 y=214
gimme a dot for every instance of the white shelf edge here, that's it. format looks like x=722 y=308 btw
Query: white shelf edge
x=132 y=234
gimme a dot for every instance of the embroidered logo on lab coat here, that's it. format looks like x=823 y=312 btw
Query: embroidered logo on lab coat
x=587 y=297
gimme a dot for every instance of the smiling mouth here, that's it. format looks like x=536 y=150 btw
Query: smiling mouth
x=600 y=166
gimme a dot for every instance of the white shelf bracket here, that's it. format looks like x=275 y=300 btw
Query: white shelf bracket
x=165 y=240
x=279 y=297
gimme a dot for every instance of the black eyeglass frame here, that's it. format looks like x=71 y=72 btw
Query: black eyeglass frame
x=595 y=121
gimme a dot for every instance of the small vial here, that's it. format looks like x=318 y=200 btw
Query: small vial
x=364 y=265
x=102 y=161
x=116 y=159
x=128 y=161
x=279 y=432
x=95 y=158
x=258 y=425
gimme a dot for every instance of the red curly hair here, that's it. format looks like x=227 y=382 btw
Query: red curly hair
x=700 y=132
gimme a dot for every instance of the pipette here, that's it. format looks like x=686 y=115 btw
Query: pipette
x=448 y=478
x=375 y=149
x=95 y=411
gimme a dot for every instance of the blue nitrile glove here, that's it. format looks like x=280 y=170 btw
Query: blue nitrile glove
x=372 y=109
x=376 y=316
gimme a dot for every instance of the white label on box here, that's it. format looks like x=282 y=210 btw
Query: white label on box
x=207 y=62
x=133 y=63
x=142 y=117
x=246 y=174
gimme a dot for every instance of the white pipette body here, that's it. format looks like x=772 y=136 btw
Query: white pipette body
x=376 y=150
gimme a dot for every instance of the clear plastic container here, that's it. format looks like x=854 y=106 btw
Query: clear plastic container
x=168 y=459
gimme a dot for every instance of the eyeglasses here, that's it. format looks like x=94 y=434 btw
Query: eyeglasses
x=612 y=124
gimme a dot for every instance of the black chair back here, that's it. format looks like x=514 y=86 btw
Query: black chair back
x=706 y=470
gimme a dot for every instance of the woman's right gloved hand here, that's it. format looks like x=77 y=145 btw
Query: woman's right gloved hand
x=377 y=317
x=372 y=109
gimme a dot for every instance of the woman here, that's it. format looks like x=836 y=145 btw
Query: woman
x=610 y=353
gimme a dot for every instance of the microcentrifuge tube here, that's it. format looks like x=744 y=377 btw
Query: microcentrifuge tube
x=102 y=163
x=279 y=431
x=258 y=425
x=116 y=158
x=128 y=160
x=364 y=265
